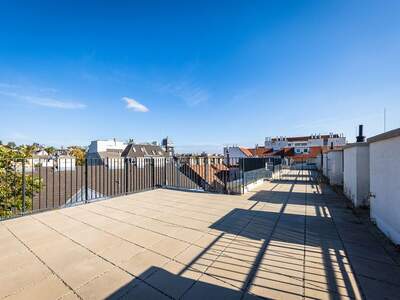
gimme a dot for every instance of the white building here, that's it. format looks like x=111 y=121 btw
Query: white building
x=384 y=150
x=232 y=154
x=105 y=148
x=302 y=144
x=356 y=173
x=334 y=166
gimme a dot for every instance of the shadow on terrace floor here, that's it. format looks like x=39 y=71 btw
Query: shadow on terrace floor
x=271 y=254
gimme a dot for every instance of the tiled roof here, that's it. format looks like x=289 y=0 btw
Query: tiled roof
x=260 y=151
x=246 y=151
x=143 y=150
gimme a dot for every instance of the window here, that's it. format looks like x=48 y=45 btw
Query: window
x=305 y=150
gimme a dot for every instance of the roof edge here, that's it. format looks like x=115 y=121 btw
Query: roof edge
x=383 y=136
x=351 y=145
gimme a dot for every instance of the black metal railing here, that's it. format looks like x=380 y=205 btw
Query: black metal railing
x=35 y=184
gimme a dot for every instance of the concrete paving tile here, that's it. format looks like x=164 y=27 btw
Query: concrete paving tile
x=120 y=252
x=111 y=285
x=69 y=296
x=71 y=254
x=208 y=287
x=374 y=289
x=173 y=279
x=144 y=292
x=80 y=272
x=189 y=235
x=14 y=260
x=169 y=247
x=30 y=274
x=48 y=288
x=342 y=283
x=320 y=290
x=389 y=273
x=275 y=286
x=142 y=265
x=224 y=273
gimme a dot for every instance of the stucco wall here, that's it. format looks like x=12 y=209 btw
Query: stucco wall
x=335 y=167
x=356 y=174
x=325 y=164
x=350 y=174
x=385 y=185
x=363 y=179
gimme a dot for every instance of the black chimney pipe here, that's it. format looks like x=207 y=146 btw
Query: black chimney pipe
x=360 y=137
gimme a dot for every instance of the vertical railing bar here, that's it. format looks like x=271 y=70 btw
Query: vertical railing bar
x=86 y=181
x=40 y=184
x=23 y=186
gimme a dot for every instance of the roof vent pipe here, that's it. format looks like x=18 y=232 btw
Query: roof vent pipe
x=360 y=137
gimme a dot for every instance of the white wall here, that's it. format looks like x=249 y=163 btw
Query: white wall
x=385 y=185
x=325 y=165
x=339 y=141
x=335 y=167
x=356 y=174
x=104 y=145
x=234 y=154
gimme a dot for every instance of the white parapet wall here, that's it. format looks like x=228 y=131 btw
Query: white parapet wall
x=356 y=173
x=335 y=166
x=385 y=182
x=325 y=164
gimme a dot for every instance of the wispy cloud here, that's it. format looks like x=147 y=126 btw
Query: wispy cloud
x=54 y=103
x=14 y=91
x=188 y=91
x=134 y=105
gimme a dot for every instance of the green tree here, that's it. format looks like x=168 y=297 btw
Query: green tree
x=79 y=155
x=11 y=145
x=11 y=183
x=50 y=150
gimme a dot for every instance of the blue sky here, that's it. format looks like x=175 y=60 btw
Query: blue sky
x=205 y=73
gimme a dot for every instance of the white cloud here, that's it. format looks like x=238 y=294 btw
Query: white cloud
x=135 y=105
x=54 y=103
x=14 y=92
x=188 y=91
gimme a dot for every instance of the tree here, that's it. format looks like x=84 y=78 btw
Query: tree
x=12 y=145
x=79 y=155
x=50 y=150
x=12 y=182
x=27 y=150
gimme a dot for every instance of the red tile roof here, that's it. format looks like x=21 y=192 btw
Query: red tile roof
x=260 y=151
x=246 y=151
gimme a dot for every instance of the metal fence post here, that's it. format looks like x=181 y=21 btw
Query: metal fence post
x=86 y=181
x=126 y=176
x=205 y=173
x=242 y=173
x=178 y=168
x=23 y=186
x=165 y=172
x=153 y=183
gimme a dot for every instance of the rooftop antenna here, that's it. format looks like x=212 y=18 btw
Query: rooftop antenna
x=384 y=119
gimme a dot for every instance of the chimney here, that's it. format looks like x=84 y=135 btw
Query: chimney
x=360 y=137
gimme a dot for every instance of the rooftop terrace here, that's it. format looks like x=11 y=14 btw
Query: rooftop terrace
x=289 y=239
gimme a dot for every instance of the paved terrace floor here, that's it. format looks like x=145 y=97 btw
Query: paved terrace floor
x=289 y=239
